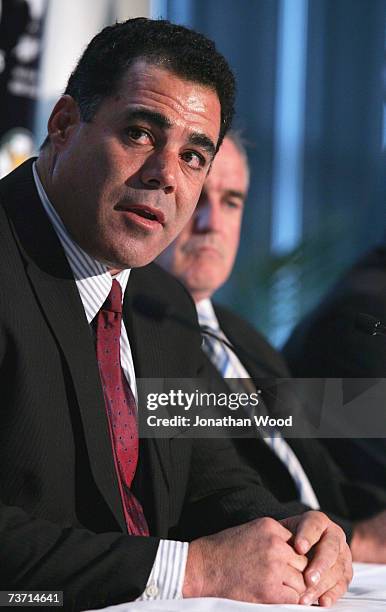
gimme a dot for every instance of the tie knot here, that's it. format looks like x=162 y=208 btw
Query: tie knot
x=113 y=301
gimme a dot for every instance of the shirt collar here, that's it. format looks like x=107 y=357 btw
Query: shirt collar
x=92 y=278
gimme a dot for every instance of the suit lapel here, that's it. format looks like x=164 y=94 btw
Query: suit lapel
x=147 y=329
x=56 y=292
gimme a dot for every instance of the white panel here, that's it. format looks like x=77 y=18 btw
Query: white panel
x=126 y=9
x=69 y=27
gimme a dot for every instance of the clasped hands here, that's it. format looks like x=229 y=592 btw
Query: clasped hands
x=303 y=559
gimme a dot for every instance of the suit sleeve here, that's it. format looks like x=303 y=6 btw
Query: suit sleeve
x=92 y=569
x=224 y=492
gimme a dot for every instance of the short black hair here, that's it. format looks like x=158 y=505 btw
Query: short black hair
x=183 y=51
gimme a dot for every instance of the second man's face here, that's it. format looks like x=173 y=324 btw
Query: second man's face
x=126 y=182
x=202 y=256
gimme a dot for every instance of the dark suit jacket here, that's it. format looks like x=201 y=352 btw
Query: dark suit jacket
x=330 y=342
x=61 y=521
x=342 y=499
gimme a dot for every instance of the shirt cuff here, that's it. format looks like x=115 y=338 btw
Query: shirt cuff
x=168 y=572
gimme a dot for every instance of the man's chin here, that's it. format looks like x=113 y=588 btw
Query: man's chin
x=136 y=262
x=201 y=283
x=131 y=260
x=131 y=254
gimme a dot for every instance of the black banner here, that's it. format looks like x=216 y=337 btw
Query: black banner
x=21 y=26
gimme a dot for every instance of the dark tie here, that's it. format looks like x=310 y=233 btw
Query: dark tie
x=120 y=406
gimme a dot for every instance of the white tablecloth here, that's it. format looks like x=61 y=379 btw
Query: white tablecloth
x=367 y=592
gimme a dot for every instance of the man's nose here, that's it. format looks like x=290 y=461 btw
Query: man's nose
x=159 y=171
x=207 y=217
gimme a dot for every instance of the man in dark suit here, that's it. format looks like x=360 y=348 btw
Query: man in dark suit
x=87 y=508
x=341 y=338
x=202 y=257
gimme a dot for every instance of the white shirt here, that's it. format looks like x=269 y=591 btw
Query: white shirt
x=94 y=282
x=207 y=316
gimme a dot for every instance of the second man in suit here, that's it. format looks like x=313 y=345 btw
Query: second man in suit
x=202 y=258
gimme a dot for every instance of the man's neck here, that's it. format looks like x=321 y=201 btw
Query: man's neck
x=115 y=271
x=198 y=296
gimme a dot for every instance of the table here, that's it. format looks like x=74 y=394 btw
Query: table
x=367 y=593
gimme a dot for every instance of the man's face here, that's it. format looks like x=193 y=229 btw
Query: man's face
x=202 y=256
x=128 y=181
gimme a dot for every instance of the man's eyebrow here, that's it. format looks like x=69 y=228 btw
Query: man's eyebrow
x=158 y=119
x=142 y=114
x=202 y=141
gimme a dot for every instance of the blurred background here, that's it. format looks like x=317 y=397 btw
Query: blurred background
x=311 y=104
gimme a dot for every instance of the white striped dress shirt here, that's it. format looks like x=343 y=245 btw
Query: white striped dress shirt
x=94 y=282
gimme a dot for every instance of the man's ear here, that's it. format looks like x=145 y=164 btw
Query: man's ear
x=64 y=118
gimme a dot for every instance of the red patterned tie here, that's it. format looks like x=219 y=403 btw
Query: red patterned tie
x=120 y=406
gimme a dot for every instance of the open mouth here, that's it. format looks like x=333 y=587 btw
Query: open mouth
x=146 y=212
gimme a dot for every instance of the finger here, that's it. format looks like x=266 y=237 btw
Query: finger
x=309 y=531
x=298 y=562
x=294 y=579
x=284 y=595
x=288 y=596
x=325 y=556
x=348 y=565
x=332 y=595
x=286 y=553
x=333 y=578
x=274 y=527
